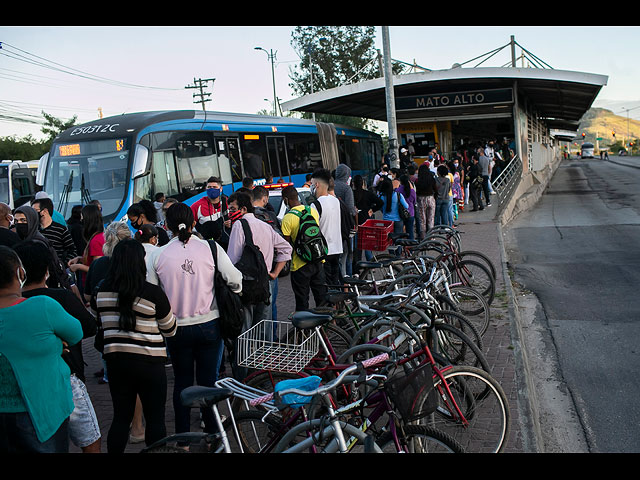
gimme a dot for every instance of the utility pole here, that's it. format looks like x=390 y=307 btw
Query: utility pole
x=390 y=98
x=200 y=84
x=271 y=56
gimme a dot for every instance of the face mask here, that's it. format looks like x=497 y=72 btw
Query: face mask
x=455 y=164
x=22 y=229
x=312 y=190
x=233 y=216
x=136 y=225
x=213 y=193
x=11 y=220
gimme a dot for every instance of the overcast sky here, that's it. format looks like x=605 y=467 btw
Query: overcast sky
x=147 y=68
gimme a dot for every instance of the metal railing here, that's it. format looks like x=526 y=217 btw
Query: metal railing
x=507 y=181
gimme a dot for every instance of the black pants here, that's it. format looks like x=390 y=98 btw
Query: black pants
x=332 y=270
x=127 y=379
x=475 y=194
x=310 y=277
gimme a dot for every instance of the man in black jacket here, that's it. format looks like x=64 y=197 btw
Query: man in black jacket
x=475 y=183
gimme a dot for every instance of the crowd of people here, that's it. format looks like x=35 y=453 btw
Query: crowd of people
x=147 y=290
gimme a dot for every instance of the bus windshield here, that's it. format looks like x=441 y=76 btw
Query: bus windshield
x=93 y=170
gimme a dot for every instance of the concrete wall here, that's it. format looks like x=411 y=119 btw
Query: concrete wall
x=532 y=184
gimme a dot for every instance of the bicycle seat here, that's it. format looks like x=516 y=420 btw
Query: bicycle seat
x=405 y=242
x=304 y=319
x=354 y=281
x=396 y=236
x=197 y=396
x=337 y=297
x=363 y=264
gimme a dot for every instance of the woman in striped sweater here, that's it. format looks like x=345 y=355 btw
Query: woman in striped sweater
x=135 y=316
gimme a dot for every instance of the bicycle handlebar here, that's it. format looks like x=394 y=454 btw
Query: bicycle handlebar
x=324 y=388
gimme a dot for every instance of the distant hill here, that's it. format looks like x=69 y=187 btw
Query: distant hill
x=600 y=123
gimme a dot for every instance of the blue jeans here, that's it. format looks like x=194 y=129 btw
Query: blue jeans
x=409 y=227
x=18 y=435
x=442 y=212
x=274 y=297
x=198 y=346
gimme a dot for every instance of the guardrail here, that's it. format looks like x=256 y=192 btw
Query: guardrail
x=507 y=181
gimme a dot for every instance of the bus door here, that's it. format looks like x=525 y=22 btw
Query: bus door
x=277 y=155
x=229 y=159
x=163 y=175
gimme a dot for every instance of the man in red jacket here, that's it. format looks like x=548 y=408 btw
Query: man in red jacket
x=211 y=214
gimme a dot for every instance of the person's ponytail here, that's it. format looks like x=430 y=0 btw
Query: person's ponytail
x=179 y=219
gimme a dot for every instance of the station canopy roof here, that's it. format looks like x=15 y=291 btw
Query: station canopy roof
x=559 y=97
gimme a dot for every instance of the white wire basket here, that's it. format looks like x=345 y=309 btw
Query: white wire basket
x=276 y=345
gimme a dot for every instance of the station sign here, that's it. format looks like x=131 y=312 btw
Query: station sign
x=455 y=99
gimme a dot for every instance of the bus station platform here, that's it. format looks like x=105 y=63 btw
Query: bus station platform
x=481 y=231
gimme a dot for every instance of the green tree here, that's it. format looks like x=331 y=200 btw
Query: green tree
x=54 y=126
x=23 y=149
x=334 y=56
x=28 y=148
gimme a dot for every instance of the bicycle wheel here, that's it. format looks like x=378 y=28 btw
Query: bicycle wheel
x=165 y=449
x=257 y=432
x=419 y=439
x=475 y=275
x=456 y=347
x=473 y=306
x=479 y=257
x=483 y=404
x=320 y=437
x=393 y=334
x=462 y=323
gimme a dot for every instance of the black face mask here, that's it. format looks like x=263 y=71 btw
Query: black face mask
x=22 y=229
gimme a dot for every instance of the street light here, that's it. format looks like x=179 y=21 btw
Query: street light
x=271 y=55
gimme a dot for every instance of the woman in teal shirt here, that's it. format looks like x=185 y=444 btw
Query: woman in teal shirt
x=35 y=391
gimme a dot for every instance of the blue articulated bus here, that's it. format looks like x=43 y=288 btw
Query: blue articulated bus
x=123 y=159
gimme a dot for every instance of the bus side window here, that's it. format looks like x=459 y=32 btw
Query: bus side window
x=197 y=161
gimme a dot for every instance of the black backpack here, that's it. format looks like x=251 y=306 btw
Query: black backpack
x=229 y=303
x=255 y=277
x=310 y=244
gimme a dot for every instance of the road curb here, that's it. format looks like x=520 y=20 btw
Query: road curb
x=532 y=438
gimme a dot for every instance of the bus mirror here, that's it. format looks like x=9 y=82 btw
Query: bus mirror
x=42 y=168
x=140 y=161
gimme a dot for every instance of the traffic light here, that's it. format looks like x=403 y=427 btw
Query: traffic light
x=583 y=134
x=614 y=134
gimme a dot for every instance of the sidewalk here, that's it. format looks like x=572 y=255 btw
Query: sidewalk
x=481 y=232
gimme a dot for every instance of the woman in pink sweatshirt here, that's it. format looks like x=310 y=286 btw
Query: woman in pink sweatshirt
x=184 y=268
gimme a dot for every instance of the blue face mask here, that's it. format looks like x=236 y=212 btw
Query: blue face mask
x=213 y=193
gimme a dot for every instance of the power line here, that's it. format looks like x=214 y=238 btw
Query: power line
x=12 y=52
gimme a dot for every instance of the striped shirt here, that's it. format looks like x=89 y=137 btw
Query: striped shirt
x=61 y=241
x=154 y=321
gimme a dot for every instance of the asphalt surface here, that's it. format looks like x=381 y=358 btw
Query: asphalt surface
x=482 y=232
x=575 y=263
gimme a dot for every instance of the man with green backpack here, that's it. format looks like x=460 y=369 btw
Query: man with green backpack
x=300 y=227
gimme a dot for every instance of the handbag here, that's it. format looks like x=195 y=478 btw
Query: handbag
x=402 y=211
x=229 y=303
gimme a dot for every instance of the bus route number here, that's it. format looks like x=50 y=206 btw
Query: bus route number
x=95 y=129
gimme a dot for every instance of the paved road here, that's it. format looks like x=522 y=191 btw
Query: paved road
x=481 y=232
x=576 y=260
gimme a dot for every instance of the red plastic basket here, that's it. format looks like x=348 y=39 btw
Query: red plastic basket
x=374 y=235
